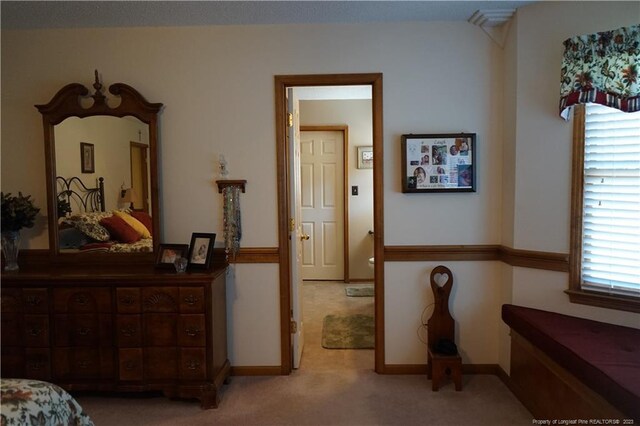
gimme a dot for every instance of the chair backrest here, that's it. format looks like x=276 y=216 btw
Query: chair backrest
x=441 y=324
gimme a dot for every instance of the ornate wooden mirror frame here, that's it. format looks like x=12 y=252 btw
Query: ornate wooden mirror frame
x=67 y=103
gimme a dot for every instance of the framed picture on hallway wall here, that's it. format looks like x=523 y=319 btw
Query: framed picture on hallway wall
x=365 y=157
x=439 y=162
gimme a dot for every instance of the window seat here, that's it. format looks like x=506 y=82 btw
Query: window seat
x=568 y=367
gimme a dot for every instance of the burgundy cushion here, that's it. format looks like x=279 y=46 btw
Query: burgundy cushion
x=120 y=230
x=605 y=357
x=144 y=218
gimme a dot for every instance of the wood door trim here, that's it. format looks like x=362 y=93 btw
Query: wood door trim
x=281 y=83
x=345 y=198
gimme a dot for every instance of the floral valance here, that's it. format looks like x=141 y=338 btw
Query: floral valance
x=602 y=68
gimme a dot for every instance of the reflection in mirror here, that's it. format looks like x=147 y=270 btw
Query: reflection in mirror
x=101 y=164
x=119 y=155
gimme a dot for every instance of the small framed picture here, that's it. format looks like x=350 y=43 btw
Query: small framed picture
x=201 y=250
x=439 y=162
x=168 y=253
x=365 y=157
x=87 y=161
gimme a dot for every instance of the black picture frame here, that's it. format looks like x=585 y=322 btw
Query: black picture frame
x=167 y=254
x=87 y=158
x=201 y=250
x=442 y=162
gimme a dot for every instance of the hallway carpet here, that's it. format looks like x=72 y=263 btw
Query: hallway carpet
x=332 y=387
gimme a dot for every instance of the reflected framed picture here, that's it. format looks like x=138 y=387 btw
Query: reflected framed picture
x=87 y=161
x=365 y=157
x=168 y=253
x=201 y=250
x=439 y=162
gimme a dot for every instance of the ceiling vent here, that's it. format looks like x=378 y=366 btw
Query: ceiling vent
x=494 y=22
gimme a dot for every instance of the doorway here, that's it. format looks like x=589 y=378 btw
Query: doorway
x=287 y=233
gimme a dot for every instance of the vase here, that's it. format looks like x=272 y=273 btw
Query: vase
x=10 y=248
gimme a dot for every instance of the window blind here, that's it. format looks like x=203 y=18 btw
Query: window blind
x=611 y=209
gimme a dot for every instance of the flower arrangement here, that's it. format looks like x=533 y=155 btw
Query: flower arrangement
x=17 y=212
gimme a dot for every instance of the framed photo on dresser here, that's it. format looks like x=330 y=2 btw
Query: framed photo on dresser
x=201 y=250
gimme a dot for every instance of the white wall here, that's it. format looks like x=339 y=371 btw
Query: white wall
x=356 y=114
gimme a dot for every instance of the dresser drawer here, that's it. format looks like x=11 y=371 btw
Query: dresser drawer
x=35 y=300
x=160 y=329
x=160 y=363
x=160 y=299
x=36 y=331
x=193 y=364
x=83 y=363
x=130 y=365
x=37 y=363
x=83 y=330
x=11 y=300
x=192 y=300
x=11 y=330
x=89 y=300
x=191 y=330
x=128 y=300
x=129 y=331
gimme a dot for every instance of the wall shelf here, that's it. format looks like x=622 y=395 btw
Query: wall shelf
x=225 y=183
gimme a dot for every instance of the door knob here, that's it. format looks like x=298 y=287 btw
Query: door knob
x=304 y=237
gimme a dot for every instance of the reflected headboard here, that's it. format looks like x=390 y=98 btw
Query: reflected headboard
x=74 y=192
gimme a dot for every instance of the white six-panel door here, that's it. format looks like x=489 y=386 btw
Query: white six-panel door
x=322 y=199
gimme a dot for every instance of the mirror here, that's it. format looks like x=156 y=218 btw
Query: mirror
x=100 y=159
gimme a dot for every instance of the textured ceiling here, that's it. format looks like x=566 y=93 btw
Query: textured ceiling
x=79 y=14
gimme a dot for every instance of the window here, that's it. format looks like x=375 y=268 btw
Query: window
x=605 y=225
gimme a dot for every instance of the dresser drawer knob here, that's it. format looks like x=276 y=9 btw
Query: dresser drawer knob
x=191 y=300
x=83 y=331
x=34 y=331
x=33 y=300
x=192 y=331
x=130 y=365
x=127 y=300
x=35 y=366
x=81 y=299
x=128 y=331
x=193 y=365
x=84 y=364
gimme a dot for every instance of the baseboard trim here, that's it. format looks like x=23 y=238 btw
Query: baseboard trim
x=275 y=370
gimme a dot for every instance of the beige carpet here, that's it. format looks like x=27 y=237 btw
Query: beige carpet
x=332 y=387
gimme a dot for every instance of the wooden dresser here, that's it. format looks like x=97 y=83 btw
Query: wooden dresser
x=135 y=330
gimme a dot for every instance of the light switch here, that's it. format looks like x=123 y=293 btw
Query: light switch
x=354 y=190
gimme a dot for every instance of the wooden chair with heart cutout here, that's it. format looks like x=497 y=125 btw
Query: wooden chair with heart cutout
x=443 y=358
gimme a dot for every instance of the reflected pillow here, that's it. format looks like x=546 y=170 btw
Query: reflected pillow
x=134 y=223
x=72 y=238
x=145 y=219
x=92 y=230
x=120 y=230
